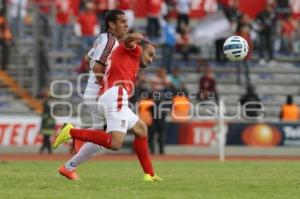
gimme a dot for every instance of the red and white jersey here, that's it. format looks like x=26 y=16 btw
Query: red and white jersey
x=101 y=51
x=123 y=68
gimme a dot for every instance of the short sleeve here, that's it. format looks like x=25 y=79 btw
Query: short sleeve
x=102 y=48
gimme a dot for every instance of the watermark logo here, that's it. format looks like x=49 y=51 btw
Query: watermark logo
x=87 y=103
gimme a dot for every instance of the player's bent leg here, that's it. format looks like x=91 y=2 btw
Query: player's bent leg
x=117 y=140
x=87 y=151
x=98 y=137
x=78 y=144
x=139 y=129
x=112 y=140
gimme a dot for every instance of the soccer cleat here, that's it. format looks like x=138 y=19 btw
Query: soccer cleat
x=63 y=135
x=155 y=178
x=148 y=178
x=71 y=175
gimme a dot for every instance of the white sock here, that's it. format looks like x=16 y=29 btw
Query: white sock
x=86 y=152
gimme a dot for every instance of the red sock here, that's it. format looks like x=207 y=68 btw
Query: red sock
x=96 y=136
x=140 y=146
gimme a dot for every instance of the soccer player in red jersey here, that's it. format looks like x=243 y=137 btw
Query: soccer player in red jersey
x=116 y=88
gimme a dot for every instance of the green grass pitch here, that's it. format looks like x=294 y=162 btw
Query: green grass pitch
x=123 y=179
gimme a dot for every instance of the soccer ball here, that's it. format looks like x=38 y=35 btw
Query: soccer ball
x=235 y=48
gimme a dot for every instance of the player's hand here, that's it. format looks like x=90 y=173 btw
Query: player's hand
x=131 y=39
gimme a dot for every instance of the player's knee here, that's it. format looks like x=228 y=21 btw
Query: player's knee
x=116 y=145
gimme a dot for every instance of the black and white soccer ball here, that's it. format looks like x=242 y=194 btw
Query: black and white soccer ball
x=235 y=48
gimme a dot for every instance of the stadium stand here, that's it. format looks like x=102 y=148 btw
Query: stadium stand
x=272 y=81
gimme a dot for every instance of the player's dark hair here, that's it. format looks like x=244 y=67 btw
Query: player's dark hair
x=112 y=16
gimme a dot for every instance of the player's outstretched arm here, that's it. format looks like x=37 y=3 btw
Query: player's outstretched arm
x=131 y=39
x=99 y=70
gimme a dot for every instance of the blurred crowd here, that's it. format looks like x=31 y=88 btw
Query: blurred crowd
x=274 y=30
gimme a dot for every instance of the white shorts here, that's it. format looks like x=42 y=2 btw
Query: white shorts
x=114 y=104
x=90 y=101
